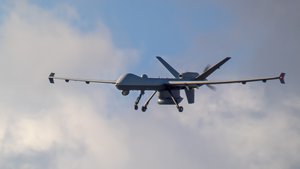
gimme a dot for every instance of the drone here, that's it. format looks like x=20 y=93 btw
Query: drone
x=168 y=88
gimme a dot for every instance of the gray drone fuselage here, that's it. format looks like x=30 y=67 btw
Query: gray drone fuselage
x=129 y=82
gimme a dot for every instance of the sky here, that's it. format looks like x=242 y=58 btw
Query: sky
x=76 y=125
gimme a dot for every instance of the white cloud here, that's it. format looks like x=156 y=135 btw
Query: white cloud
x=38 y=119
x=241 y=122
x=61 y=126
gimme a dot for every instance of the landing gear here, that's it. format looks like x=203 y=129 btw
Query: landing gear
x=144 y=108
x=138 y=100
x=180 y=108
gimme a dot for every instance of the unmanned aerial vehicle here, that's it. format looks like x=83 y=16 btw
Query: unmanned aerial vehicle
x=168 y=88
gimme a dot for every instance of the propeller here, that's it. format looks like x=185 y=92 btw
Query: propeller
x=206 y=68
x=212 y=87
x=209 y=86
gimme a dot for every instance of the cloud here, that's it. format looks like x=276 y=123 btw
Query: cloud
x=251 y=131
x=39 y=121
x=252 y=122
x=271 y=26
x=261 y=37
x=79 y=126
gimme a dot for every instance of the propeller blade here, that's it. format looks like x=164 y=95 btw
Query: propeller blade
x=206 y=68
x=212 y=87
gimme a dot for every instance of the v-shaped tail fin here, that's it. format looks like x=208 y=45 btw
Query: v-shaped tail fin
x=169 y=67
x=208 y=71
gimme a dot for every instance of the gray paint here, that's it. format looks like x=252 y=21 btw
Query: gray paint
x=168 y=88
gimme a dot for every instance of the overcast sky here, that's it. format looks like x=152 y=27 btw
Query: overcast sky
x=76 y=125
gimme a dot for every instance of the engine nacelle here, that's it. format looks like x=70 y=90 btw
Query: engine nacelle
x=125 y=92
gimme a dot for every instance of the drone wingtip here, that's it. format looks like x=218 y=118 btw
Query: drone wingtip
x=51 y=77
x=281 y=78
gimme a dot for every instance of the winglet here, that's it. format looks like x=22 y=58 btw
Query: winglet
x=281 y=78
x=51 y=77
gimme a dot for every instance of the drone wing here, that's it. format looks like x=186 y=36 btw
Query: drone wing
x=199 y=83
x=87 y=81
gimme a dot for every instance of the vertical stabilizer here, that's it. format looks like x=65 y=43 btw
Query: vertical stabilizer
x=190 y=95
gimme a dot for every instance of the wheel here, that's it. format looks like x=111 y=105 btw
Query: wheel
x=136 y=107
x=125 y=92
x=180 y=109
x=144 y=108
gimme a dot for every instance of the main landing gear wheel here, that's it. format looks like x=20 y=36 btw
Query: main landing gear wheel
x=180 y=108
x=136 y=107
x=144 y=108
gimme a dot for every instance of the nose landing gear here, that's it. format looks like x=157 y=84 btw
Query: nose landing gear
x=144 y=108
x=138 y=100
